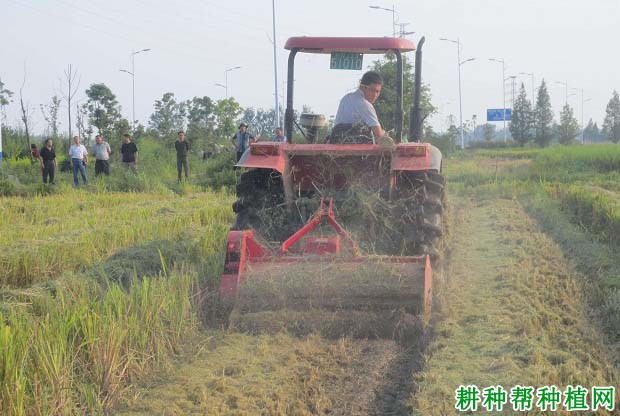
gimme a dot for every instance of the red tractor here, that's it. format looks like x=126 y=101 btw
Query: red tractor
x=340 y=203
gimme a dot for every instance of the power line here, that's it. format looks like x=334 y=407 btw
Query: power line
x=171 y=50
x=124 y=26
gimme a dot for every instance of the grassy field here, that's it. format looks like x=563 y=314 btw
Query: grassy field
x=107 y=295
x=98 y=290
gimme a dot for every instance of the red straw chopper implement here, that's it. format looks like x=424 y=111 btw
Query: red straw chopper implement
x=346 y=231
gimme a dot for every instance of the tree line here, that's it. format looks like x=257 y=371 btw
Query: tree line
x=536 y=123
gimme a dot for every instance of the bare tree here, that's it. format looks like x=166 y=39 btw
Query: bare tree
x=85 y=130
x=72 y=84
x=50 y=114
x=26 y=113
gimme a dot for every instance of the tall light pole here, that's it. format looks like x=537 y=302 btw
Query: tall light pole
x=133 y=100
x=582 y=125
x=565 y=83
x=460 y=63
x=226 y=71
x=532 y=75
x=220 y=85
x=501 y=60
x=133 y=85
x=275 y=66
x=393 y=16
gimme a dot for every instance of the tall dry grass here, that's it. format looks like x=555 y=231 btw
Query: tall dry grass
x=73 y=344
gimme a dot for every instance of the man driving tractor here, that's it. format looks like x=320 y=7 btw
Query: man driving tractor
x=356 y=119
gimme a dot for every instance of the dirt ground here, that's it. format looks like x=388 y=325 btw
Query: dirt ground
x=509 y=310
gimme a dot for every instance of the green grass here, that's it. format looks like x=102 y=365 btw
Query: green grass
x=596 y=208
x=511 y=312
x=566 y=162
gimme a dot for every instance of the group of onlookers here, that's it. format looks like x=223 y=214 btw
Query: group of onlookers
x=242 y=139
x=78 y=158
x=101 y=150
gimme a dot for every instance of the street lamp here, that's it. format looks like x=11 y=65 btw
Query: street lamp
x=133 y=100
x=133 y=85
x=532 y=75
x=393 y=16
x=582 y=125
x=565 y=83
x=220 y=85
x=460 y=63
x=500 y=60
x=226 y=71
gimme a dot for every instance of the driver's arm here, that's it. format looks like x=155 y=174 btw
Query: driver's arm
x=377 y=131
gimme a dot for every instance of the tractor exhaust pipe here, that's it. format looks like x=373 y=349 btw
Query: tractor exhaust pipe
x=415 y=118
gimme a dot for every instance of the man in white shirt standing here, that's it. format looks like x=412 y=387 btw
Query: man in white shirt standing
x=79 y=159
x=357 y=118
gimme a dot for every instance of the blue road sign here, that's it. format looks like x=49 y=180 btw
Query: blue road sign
x=497 y=114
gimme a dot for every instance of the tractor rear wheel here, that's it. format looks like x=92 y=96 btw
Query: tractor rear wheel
x=260 y=204
x=419 y=202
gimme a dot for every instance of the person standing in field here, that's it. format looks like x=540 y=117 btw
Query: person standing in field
x=182 y=148
x=34 y=151
x=242 y=140
x=102 y=153
x=79 y=160
x=48 y=161
x=129 y=152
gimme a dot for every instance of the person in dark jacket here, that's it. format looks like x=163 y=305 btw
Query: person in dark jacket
x=129 y=153
x=182 y=148
x=48 y=161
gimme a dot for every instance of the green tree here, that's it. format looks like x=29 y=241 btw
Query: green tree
x=521 y=124
x=568 y=128
x=543 y=117
x=386 y=103
x=5 y=99
x=168 y=117
x=226 y=113
x=592 y=133
x=200 y=119
x=260 y=120
x=103 y=109
x=489 y=132
x=453 y=134
x=611 y=125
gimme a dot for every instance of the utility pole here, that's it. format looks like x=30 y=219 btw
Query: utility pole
x=393 y=10
x=583 y=127
x=513 y=85
x=460 y=63
x=532 y=75
x=275 y=66
x=133 y=86
x=226 y=71
x=500 y=60
x=565 y=83
x=402 y=32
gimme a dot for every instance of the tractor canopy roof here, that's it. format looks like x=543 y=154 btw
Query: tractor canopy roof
x=350 y=44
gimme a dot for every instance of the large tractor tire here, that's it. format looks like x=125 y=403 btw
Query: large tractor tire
x=419 y=203
x=260 y=205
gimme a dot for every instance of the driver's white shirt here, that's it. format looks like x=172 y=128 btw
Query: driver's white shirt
x=354 y=108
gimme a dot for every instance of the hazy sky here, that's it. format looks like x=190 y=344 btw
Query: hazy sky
x=193 y=41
